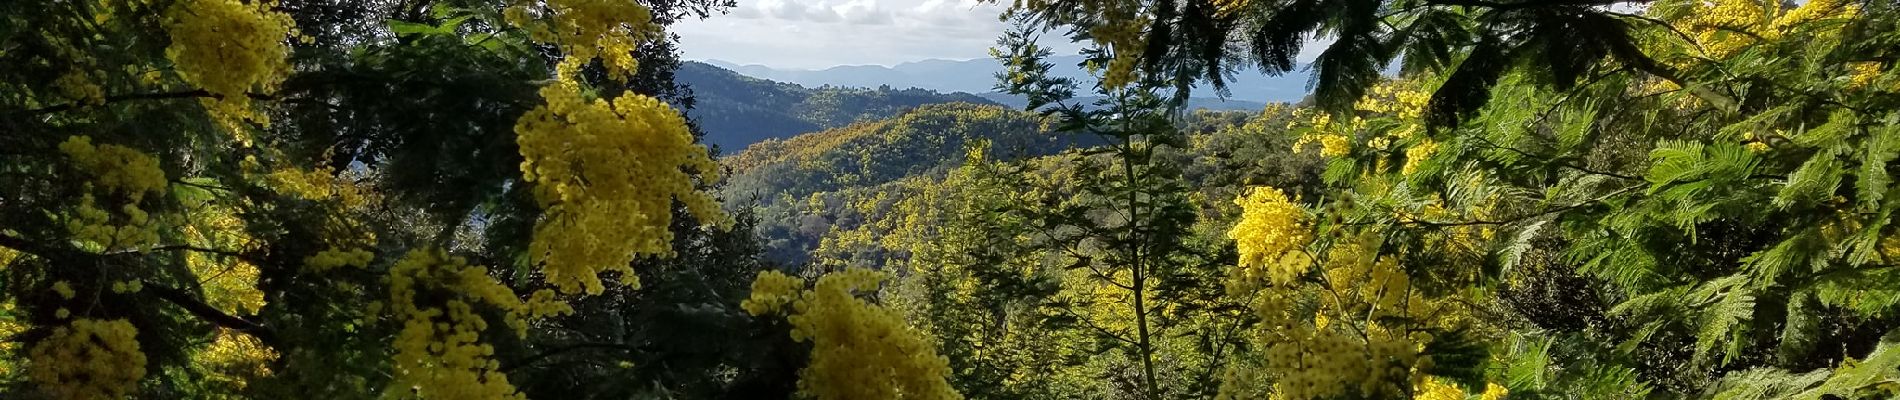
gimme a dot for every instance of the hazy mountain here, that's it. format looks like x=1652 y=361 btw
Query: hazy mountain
x=979 y=76
x=1208 y=103
x=736 y=110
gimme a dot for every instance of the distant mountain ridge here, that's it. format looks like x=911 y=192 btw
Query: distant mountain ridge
x=736 y=110
x=1197 y=103
x=979 y=76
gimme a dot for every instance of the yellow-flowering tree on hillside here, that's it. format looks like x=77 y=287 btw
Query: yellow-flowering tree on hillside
x=260 y=199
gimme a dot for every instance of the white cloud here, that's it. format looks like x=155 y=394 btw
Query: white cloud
x=863 y=12
x=825 y=33
x=816 y=34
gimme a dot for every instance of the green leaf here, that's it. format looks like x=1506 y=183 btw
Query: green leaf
x=1513 y=253
x=1458 y=355
x=1801 y=331
x=1766 y=383
x=1876 y=153
x=1815 y=181
x=1864 y=246
x=1672 y=161
x=1880 y=366
x=406 y=28
x=1575 y=124
x=1838 y=127
x=447 y=27
x=1723 y=322
x=1469 y=86
x=1797 y=250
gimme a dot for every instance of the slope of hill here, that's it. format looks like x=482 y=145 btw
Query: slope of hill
x=979 y=76
x=781 y=177
x=736 y=110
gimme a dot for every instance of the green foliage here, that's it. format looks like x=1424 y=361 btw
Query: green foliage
x=1473 y=43
x=394 y=130
x=1551 y=200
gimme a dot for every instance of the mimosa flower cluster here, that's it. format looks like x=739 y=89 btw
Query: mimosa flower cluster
x=230 y=48
x=120 y=174
x=1335 y=140
x=334 y=258
x=77 y=86
x=607 y=174
x=1724 y=28
x=1271 y=230
x=860 y=350
x=1391 y=117
x=88 y=359
x=439 y=351
x=318 y=184
x=234 y=359
x=1333 y=363
x=771 y=292
x=587 y=29
x=1343 y=333
x=1439 y=389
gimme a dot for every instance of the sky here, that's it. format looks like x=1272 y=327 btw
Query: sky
x=815 y=34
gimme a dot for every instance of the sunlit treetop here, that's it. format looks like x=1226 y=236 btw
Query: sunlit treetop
x=607 y=173
x=440 y=351
x=609 y=30
x=235 y=359
x=88 y=359
x=111 y=217
x=1270 y=236
x=119 y=170
x=232 y=49
x=860 y=350
x=1722 y=28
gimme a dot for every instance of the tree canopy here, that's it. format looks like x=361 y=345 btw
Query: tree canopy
x=463 y=199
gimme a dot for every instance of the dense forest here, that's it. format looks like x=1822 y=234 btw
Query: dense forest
x=510 y=199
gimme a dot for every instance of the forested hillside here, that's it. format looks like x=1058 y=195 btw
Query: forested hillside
x=736 y=111
x=790 y=182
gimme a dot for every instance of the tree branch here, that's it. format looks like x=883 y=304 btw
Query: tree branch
x=200 y=93
x=208 y=313
x=530 y=360
x=187 y=247
x=200 y=185
x=31 y=247
x=172 y=295
x=1521 y=218
x=1553 y=160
